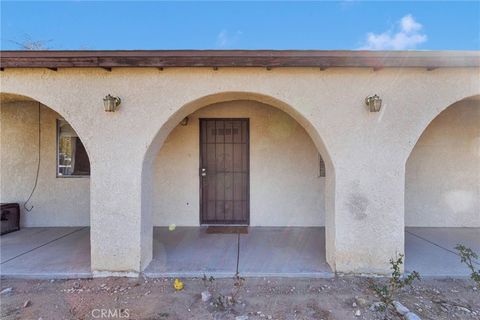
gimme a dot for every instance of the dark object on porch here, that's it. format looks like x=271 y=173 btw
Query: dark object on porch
x=227 y=229
x=10 y=218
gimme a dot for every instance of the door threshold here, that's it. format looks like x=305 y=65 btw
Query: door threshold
x=225 y=225
x=226 y=230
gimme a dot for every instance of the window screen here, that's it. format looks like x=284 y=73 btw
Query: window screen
x=71 y=154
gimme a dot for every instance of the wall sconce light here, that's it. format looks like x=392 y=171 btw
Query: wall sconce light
x=184 y=122
x=111 y=103
x=374 y=103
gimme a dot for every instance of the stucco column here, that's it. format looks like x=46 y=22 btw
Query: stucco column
x=118 y=246
x=366 y=226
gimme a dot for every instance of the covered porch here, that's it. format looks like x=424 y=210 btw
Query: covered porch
x=258 y=157
x=189 y=251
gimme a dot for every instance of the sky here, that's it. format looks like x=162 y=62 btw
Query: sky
x=342 y=25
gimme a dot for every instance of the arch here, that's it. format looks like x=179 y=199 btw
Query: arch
x=46 y=137
x=185 y=110
x=426 y=121
x=219 y=97
x=441 y=145
x=54 y=200
x=12 y=97
x=442 y=186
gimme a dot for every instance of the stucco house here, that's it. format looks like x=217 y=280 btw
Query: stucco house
x=273 y=140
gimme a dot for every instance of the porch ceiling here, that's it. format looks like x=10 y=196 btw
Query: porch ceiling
x=238 y=58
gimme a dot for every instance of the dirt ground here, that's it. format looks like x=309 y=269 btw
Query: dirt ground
x=257 y=298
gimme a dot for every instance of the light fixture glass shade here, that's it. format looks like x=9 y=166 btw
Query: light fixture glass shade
x=111 y=103
x=374 y=103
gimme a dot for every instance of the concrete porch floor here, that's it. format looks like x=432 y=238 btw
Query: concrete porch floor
x=264 y=251
x=431 y=251
x=53 y=252
x=189 y=251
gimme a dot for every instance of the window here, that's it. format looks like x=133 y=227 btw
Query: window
x=321 y=167
x=72 y=158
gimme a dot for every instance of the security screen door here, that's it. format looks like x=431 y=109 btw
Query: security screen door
x=224 y=172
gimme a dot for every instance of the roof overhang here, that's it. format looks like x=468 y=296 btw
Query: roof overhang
x=239 y=58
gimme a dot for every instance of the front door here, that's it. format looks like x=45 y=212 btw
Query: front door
x=224 y=172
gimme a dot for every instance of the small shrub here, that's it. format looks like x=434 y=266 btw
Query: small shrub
x=467 y=256
x=208 y=282
x=224 y=302
x=387 y=292
x=237 y=285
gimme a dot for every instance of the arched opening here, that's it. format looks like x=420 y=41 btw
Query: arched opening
x=442 y=191
x=241 y=160
x=45 y=173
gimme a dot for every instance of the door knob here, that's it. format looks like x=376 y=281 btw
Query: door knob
x=204 y=172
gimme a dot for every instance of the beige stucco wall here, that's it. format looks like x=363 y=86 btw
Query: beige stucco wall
x=285 y=189
x=56 y=201
x=443 y=171
x=365 y=152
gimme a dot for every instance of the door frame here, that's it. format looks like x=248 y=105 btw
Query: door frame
x=247 y=120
